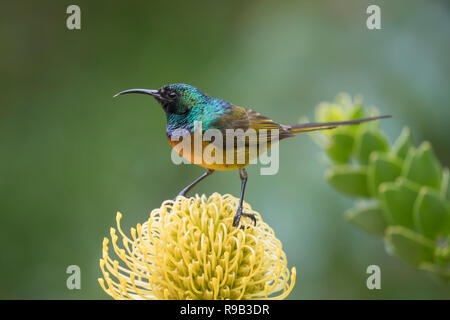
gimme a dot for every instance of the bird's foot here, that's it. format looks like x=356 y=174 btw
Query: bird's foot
x=238 y=215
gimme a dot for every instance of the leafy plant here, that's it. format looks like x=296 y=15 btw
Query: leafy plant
x=401 y=191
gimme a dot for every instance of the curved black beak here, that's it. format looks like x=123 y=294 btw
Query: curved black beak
x=154 y=93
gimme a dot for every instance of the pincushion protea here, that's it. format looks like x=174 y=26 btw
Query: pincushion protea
x=188 y=249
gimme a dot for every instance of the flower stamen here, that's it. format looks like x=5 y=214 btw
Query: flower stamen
x=188 y=249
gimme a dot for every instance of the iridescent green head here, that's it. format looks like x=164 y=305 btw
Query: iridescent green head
x=177 y=98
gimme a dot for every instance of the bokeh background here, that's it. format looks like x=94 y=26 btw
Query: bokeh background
x=71 y=155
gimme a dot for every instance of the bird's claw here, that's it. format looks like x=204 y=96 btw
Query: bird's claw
x=252 y=216
x=238 y=215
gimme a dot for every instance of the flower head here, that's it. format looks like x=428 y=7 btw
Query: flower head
x=188 y=249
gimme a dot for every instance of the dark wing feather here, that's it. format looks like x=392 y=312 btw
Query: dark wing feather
x=242 y=118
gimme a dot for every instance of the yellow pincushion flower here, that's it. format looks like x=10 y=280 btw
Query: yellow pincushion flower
x=188 y=249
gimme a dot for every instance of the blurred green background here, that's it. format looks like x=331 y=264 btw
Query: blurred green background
x=71 y=155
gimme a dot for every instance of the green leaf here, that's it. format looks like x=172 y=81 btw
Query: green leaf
x=340 y=146
x=368 y=141
x=357 y=112
x=402 y=144
x=431 y=214
x=421 y=166
x=397 y=199
x=348 y=180
x=326 y=112
x=382 y=167
x=409 y=245
x=370 y=219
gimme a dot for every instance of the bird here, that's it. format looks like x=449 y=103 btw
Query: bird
x=186 y=107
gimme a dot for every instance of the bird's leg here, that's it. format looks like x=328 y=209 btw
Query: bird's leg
x=239 y=213
x=189 y=187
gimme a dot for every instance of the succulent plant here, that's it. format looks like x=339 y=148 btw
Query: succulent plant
x=401 y=191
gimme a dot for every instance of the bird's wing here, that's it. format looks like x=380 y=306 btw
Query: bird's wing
x=245 y=119
x=242 y=118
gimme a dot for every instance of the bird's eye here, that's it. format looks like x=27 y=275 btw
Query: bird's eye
x=172 y=94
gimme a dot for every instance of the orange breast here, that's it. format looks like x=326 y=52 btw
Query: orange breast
x=208 y=155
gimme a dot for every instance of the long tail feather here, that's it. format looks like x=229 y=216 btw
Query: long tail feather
x=305 y=127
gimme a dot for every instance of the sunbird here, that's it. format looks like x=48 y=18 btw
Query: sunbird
x=185 y=106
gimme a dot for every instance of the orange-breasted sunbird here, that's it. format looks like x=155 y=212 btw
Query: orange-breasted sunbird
x=186 y=107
